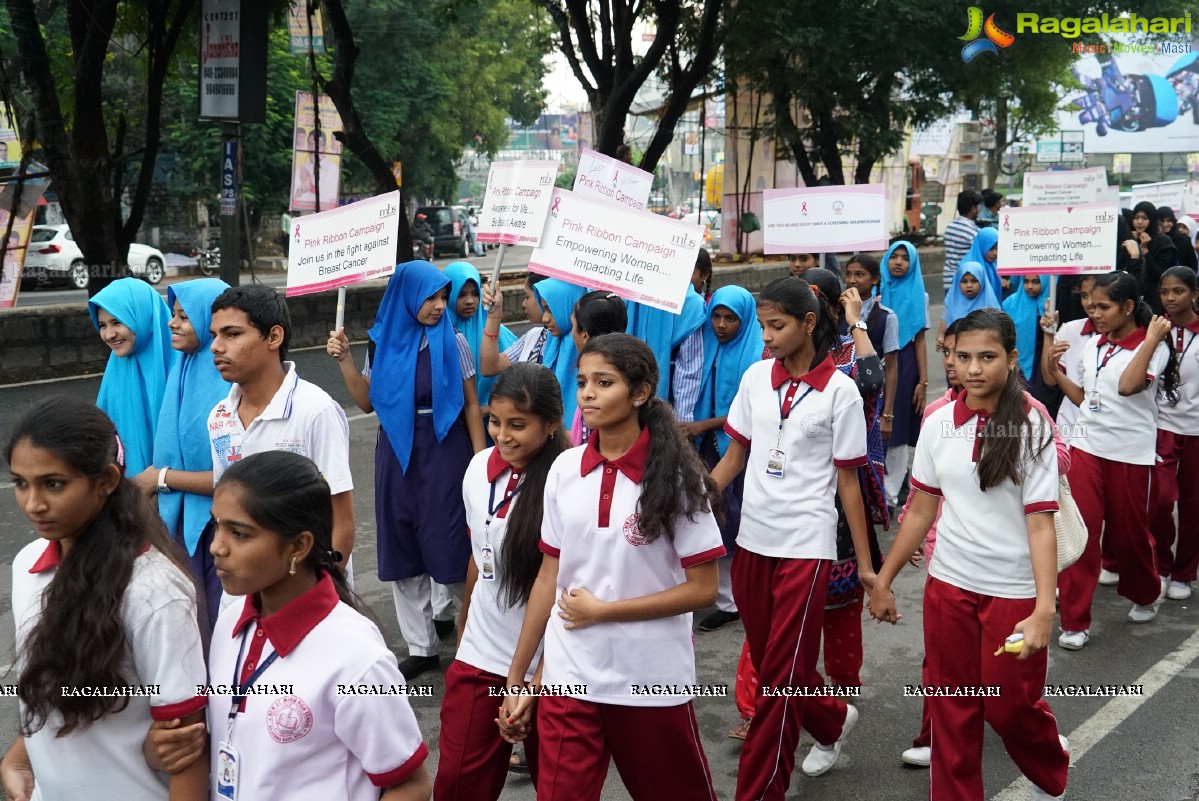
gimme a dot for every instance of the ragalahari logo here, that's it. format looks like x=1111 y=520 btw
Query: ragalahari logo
x=994 y=36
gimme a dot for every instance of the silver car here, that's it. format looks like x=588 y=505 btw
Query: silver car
x=53 y=256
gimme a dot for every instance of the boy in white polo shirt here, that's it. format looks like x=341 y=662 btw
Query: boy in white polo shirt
x=269 y=407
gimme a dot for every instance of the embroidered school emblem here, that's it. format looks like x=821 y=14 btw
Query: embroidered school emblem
x=288 y=719
x=632 y=531
x=812 y=425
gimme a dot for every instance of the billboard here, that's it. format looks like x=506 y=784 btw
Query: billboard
x=311 y=148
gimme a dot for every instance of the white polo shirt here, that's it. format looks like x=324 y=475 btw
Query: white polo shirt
x=794 y=516
x=492 y=628
x=590 y=526
x=982 y=539
x=1076 y=332
x=1183 y=417
x=1123 y=429
x=163 y=655
x=298 y=736
x=301 y=418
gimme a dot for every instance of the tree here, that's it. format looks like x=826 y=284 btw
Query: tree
x=597 y=40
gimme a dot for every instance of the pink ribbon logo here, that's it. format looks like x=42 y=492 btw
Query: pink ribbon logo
x=554 y=208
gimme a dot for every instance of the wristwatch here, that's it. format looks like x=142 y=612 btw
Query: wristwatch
x=163 y=489
x=860 y=325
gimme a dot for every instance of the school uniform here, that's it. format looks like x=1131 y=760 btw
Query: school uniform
x=163 y=656
x=1109 y=477
x=473 y=761
x=529 y=347
x=802 y=431
x=1176 y=474
x=326 y=717
x=1075 y=332
x=600 y=712
x=980 y=585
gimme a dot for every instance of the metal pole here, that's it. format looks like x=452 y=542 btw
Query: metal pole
x=230 y=220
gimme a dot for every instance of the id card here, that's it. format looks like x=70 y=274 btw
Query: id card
x=226 y=772
x=776 y=463
x=487 y=571
x=1093 y=401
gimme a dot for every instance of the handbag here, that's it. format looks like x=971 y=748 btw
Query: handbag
x=1071 y=530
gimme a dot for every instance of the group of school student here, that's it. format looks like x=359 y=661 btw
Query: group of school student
x=643 y=465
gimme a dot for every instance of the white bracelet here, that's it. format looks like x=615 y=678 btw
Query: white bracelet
x=162 y=480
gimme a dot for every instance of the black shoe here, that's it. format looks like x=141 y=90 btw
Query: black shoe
x=717 y=619
x=413 y=666
x=445 y=628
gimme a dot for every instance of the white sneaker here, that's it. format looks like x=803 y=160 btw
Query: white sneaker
x=1040 y=795
x=1074 y=640
x=1108 y=579
x=822 y=757
x=1142 y=614
x=919 y=755
x=1178 y=591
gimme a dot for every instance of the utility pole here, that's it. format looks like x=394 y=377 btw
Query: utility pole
x=230 y=194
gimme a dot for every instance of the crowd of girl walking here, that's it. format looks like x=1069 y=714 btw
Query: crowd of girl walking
x=578 y=492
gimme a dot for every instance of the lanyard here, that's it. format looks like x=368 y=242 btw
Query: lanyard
x=494 y=509
x=1112 y=349
x=783 y=416
x=1179 y=349
x=238 y=698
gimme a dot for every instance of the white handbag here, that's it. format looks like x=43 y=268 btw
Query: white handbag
x=1071 y=530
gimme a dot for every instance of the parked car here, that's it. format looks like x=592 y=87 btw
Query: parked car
x=449 y=229
x=710 y=219
x=53 y=256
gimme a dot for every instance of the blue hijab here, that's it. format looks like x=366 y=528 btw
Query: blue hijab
x=396 y=334
x=986 y=239
x=1026 y=312
x=664 y=331
x=460 y=273
x=560 y=354
x=725 y=364
x=193 y=388
x=904 y=296
x=132 y=388
x=957 y=305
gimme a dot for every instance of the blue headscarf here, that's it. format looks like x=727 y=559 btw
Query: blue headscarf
x=957 y=305
x=459 y=273
x=986 y=239
x=664 y=331
x=560 y=353
x=730 y=360
x=905 y=296
x=193 y=388
x=1026 y=312
x=396 y=334
x=132 y=389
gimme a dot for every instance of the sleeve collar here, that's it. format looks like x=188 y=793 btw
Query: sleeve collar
x=632 y=464
x=817 y=378
x=287 y=628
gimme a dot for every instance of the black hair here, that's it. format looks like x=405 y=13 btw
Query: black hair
x=951 y=330
x=703 y=263
x=1184 y=274
x=1165 y=213
x=868 y=263
x=80 y=638
x=1150 y=211
x=285 y=493
x=531 y=278
x=665 y=493
x=794 y=297
x=830 y=289
x=265 y=307
x=1121 y=288
x=1009 y=436
x=968 y=199
x=534 y=390
x=991 y=197
x=600 y=312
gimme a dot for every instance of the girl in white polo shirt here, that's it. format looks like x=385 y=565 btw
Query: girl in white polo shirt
x=1176 y=475
x=988 y=459
x=105 y=612
x=504 y=492
x=1109 y=476
x=629 y=542
x=804 y=418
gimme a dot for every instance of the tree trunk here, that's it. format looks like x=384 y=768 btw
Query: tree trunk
x=995 y=157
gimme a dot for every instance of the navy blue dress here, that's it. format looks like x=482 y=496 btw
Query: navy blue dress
x=906 y=426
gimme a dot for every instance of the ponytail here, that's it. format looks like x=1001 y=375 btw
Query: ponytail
x=1121 y=288
x=797 y=298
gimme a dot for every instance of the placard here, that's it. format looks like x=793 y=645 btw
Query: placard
x=220 y=58
x=825 y=219
x=643 y=257
x=344 y=246
x=1190 y=203
x=1057 y=240
x=606 y=178
x=298 y=27
x=1162 y=193
x=1065 y=187
x=516 y=202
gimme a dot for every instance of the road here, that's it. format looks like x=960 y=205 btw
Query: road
x=1136 y=747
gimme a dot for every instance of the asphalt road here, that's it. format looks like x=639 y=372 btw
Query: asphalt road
x=1132 y=747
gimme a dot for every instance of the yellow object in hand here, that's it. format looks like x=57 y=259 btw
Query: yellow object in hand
x=1012 y=645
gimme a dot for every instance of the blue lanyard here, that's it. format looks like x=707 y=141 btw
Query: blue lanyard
x=238 y=698
x=791 y=408
x=493 y=508
x=1181 y=350
x=1111 y=351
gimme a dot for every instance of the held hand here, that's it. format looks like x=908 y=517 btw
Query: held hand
x=917 y=557
x=171 y=747
x=867 y=577
x=1036 y=630
x=147 y=480
x=1159 y=329
x=17 y=778
x=579 y=608
x=851 y=301
x=489 y=301
x=882 y=605
x=1049 y=322
x=516 y=715
x=1059 y=350
x=886 y=426
x=918 y=397
x=338 y=345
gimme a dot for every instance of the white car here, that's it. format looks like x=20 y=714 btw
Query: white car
x=710 y=219
x=54 y=256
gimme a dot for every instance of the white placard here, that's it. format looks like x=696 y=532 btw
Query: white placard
x=825 y=219
x=1190 y=203
x=344 y=246
x=1058 y=240
x=643 y=257
x=220 y=58
x=517 y=200
x=1163 y=193
x=1065 y=187
x=606 y=178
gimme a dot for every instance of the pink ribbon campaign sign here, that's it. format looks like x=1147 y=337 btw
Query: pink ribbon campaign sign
x=605 y=178
x=825 y=219
x=1058 y=240
x=516 y=202
x=344 y=246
